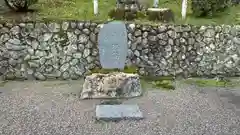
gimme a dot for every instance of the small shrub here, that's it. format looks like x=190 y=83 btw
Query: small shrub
x=141 y=14
x=144 y=4
x=208 y=7
x=122 y=14
x=235 y=2
x=117 y=14
x=20 y=5
x=130 y=15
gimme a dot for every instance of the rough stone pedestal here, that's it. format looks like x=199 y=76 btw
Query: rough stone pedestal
x=112 y=85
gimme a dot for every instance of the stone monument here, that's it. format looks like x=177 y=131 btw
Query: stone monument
x=113 y=46
x=112 y=40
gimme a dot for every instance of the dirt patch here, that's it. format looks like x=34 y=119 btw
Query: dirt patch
x=12 y=16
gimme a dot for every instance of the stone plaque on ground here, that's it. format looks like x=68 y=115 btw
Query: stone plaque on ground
x=112 y=40
x=118 y=112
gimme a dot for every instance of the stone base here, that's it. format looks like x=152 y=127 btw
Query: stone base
x=112 y=85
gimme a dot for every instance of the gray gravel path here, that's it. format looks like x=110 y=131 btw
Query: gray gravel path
x=47 y=108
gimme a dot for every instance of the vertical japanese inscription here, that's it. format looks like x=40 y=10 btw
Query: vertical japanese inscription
x=113 y=45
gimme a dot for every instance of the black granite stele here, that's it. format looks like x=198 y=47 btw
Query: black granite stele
x=118 y=112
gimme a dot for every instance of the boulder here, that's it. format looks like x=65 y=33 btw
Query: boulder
x=112 y=85
x=3 y=7
x=19 y=5
x=235 y=2
x=128 y=9
x=160 y=14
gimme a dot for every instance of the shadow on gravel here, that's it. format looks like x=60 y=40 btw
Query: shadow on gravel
x=2 y=83
x=232 y=98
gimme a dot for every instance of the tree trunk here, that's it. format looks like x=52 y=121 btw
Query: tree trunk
x=95 y=7
x=155 y=3
x=184 y=9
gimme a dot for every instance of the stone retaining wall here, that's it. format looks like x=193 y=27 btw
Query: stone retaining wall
x=69 y=50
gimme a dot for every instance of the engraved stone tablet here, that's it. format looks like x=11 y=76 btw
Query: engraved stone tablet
x=118 y=112
x=112 y=40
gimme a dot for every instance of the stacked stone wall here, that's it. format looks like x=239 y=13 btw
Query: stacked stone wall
x=68 y=50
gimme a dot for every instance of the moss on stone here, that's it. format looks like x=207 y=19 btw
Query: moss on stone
x=158 y=78
x=165 y=84
x=103 y=71
x=130 y=69
x=209 y=82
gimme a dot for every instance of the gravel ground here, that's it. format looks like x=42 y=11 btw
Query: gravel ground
x=53 y=108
